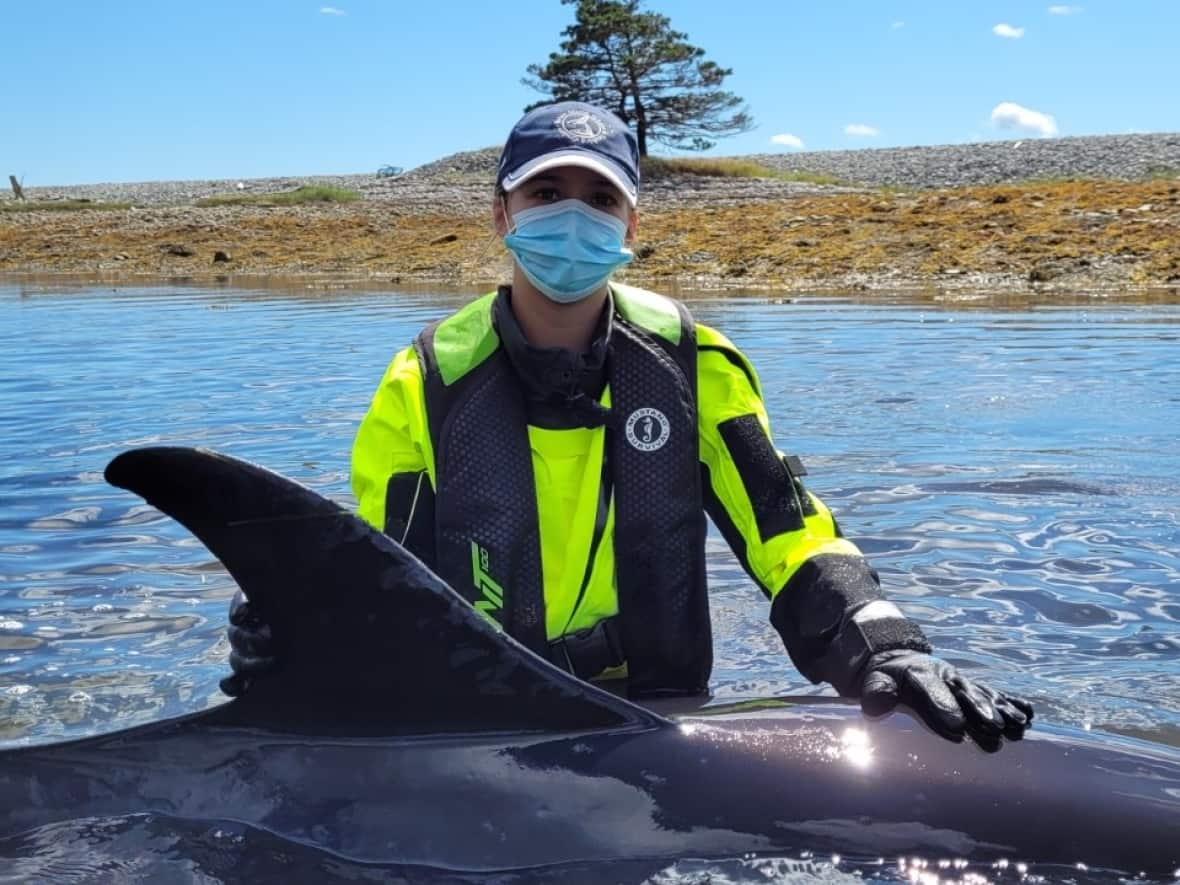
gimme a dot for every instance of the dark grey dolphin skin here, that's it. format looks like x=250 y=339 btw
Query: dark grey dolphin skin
x=405 y=728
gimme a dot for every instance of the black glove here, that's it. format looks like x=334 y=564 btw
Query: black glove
x=950 y=703
x=252 y=647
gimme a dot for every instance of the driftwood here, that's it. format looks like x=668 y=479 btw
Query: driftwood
x=16 y=188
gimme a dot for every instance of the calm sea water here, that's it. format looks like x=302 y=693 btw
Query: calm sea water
x=1012 y=470
x=1013 y=473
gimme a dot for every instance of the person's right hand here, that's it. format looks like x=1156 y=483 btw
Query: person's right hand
x=946 y=700
x=252 y=647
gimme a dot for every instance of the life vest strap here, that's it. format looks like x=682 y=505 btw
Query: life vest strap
x=589 y=652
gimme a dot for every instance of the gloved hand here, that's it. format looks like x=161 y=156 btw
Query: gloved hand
x=252 y=647
x=950 y=703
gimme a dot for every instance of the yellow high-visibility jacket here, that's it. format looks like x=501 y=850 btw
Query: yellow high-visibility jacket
x=393 y=443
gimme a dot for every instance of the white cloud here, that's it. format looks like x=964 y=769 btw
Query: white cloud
x=1009 y=115
x=331 y=10
x=861 y=129
x=787 y=140
x=1064 y=10
x=1003 y=30
x=897 y=26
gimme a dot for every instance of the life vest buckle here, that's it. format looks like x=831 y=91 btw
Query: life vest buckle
x=587 y=653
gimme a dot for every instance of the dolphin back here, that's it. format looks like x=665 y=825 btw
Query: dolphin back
x=370 y=640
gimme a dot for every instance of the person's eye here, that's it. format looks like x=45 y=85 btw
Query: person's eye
x=546 y=194
x=605 y=199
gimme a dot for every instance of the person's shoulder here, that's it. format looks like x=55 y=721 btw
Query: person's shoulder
x=450 y=348
x=651 y=311
x=477 y=311
x=718 y=356
x=708 y=337
x=404 y=368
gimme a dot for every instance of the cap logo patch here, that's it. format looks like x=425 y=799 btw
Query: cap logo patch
x=648 y=429
x=582 y=126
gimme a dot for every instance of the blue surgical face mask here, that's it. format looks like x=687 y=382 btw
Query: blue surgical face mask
x=567 y=249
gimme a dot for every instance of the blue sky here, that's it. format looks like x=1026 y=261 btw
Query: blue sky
x=97 y=91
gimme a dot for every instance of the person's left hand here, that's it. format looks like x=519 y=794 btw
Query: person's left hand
x=252 y=647
x=950 y=703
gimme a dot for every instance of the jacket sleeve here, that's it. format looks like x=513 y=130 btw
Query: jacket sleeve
x=392 y=464
x=826 y=601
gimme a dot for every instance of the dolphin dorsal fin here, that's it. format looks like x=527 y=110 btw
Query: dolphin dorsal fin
x=372 y=642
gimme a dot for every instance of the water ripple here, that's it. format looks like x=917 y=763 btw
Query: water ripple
x=1013 y=475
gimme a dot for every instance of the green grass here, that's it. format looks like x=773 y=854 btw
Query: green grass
x=57 y=205
x=297 y=197
x=805 y=177
x=714 y=167
x=1046 y=180
x=1162 y=173
x=725 y=167
x=1157 y=173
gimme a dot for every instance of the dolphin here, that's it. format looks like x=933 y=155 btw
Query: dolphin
x=404 y=728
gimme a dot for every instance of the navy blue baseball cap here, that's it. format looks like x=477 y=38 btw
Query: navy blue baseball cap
x=571 y=133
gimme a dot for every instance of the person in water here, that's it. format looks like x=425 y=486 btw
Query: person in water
x=552 y=449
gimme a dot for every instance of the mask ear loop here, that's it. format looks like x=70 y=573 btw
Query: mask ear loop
x=483 y=253
x=509 y=219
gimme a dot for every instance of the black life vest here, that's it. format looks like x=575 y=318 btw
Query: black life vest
x=487 y=538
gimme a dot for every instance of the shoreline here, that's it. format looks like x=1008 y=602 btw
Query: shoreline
x=431 y=226
x=330 y=286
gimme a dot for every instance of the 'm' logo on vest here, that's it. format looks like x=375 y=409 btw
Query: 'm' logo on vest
x=493 y=594
x=648 y=429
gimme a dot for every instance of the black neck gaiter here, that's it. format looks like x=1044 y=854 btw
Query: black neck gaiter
x=561 y=388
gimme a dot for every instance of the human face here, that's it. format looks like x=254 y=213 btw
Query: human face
x=565 y=183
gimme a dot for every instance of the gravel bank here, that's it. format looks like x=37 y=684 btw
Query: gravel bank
x=462 y=182
x=1123 y=157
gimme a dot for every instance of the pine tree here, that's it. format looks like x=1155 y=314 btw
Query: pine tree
x=631 y=62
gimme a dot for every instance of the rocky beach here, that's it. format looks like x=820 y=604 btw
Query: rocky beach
x=1094 y=214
